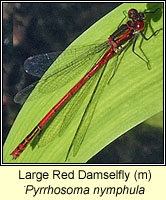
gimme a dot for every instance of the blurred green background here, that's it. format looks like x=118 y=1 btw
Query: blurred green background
x=34 y=28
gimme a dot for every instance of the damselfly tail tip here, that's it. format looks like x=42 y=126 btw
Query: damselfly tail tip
x=13 y=158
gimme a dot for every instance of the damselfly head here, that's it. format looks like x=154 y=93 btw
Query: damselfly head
x=135 y=15
x=132 y=13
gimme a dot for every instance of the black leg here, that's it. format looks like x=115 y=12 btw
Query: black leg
x=124 y=12
x=133 y=49
x=154 y=34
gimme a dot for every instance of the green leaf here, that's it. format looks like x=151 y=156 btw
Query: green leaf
x=133 y=95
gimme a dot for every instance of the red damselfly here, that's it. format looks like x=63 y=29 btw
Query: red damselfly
x=125 y=35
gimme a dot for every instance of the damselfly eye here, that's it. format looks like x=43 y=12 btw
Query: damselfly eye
x=132 y=13
x=139 y=25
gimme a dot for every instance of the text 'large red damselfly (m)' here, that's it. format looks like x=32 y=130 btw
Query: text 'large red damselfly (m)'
x=115 y=45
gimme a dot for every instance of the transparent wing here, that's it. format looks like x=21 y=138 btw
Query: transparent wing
x=70 y=64
x=35 y=66
x=89 y=111
x=22 y=96
x=38 y=65
x=66 y=69
x=64 y=117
